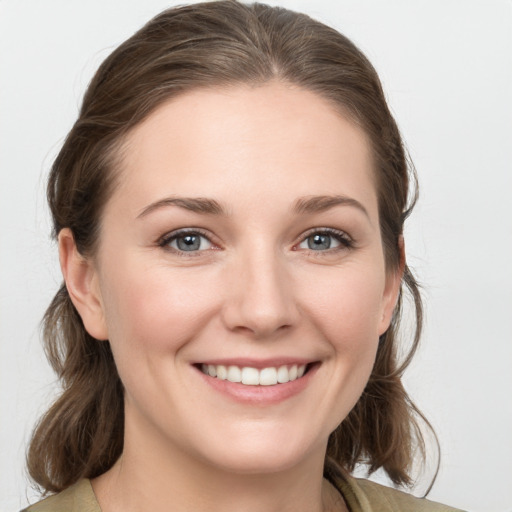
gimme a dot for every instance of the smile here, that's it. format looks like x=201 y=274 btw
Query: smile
x=249 y=376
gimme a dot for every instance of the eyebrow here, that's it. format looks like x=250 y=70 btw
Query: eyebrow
x=315 y=204
x=303 y=205
x=193 y=204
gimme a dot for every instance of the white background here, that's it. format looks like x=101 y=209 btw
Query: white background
x=446 y=67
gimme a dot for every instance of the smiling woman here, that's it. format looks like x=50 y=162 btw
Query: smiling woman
x=258 y=288
x=229 y=208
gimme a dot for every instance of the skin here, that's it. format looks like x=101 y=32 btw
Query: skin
x=254 y=289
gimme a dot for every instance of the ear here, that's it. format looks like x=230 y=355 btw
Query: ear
x=82 y=284
x=392 y=289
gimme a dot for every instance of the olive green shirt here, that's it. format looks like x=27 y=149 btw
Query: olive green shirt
x=360 y=496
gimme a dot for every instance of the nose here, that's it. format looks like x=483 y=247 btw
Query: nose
x=260 y=300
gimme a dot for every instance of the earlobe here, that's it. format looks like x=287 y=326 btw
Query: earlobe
x=392 y=289
x=82 y=284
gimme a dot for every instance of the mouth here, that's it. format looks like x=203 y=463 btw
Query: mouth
x=258 y=383
x=251 y=376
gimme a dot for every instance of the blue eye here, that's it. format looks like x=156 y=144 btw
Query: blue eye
x=187 y=242
x=325 y=240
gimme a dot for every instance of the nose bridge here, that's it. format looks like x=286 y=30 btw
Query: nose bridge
x=261 y=297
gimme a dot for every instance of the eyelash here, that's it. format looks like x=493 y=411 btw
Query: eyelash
x=167 y=239
x=345 y=241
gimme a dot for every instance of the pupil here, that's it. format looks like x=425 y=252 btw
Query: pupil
x=317 y=242
x=189 y=243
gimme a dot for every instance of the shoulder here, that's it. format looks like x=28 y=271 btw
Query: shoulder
x=77 y=498
x=366 y=496
x=399 y=500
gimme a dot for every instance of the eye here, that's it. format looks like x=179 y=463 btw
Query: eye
x=186 y=241
x=325 y=239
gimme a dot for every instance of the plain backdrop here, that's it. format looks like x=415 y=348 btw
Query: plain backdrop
x=446 y=68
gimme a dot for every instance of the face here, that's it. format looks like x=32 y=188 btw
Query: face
x=242 y=243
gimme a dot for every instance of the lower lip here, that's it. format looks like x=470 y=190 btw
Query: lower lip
x=259 y=395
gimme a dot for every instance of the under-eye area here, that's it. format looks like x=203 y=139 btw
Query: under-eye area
x=269 y=376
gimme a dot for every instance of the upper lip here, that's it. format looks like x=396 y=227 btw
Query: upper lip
x=257 y=363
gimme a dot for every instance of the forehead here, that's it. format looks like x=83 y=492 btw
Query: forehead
x=269 y=141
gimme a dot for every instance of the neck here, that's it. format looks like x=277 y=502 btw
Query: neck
x=157 y=476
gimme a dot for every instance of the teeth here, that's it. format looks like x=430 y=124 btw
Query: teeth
x=234 y=374
x=268 y=377
x=222 y=372
x=254 y=377
x=250 y=376
x=283 y=375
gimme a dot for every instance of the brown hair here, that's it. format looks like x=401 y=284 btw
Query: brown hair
x=204 y=45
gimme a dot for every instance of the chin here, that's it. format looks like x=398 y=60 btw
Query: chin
x=257 y=464
x=261 y=454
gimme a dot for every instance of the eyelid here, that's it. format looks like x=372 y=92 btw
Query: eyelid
x=167 y=238
x=346 y=241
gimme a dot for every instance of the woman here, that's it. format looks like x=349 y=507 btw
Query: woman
x=229 y=208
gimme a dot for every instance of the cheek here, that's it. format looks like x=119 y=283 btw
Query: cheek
x=347 y=306
x=158 y=309
x=348 y=313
